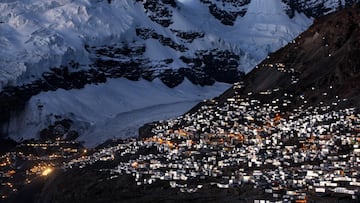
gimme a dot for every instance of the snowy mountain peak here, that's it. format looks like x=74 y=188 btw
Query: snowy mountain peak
x=38 y=35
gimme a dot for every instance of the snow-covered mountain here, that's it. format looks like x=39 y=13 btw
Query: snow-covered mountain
x=67 y=59
x=39 y=35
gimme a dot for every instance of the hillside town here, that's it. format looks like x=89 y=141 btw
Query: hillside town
x=292 y=156
x=288 y=132
x=289 y=154
x=33 y=159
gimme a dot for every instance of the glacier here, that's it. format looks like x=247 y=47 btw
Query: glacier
x=37 y=35
x=115 y=109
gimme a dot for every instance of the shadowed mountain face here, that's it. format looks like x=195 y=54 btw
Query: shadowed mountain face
x=322 y=63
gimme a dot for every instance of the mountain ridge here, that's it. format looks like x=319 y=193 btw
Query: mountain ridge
x=68 y=25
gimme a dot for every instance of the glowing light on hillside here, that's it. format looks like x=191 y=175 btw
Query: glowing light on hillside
x=135 y=164
x=47 y=171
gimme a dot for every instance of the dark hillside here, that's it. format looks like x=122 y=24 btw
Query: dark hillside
x=321 y=63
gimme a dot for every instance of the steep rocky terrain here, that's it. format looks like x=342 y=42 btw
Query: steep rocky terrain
x=321 y=64
x=316 y=8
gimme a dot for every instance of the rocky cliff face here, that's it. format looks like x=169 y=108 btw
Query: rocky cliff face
x=228 y=10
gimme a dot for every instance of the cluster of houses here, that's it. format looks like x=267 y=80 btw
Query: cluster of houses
x=290 y=156
x=32 y=159
x=287 y=155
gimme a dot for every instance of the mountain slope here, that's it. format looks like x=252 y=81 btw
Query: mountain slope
x=318 y=69
x=288 y=120
x=315 y=8
x=266 y=126
x=321 y=63
x=78 y=45
x=40 y=35
x=111 y=110
x=37 y=36
x=67 y=45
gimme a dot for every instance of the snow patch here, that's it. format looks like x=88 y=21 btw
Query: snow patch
x=110 y=110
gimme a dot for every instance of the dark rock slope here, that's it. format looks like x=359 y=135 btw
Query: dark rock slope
x=322 y=63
